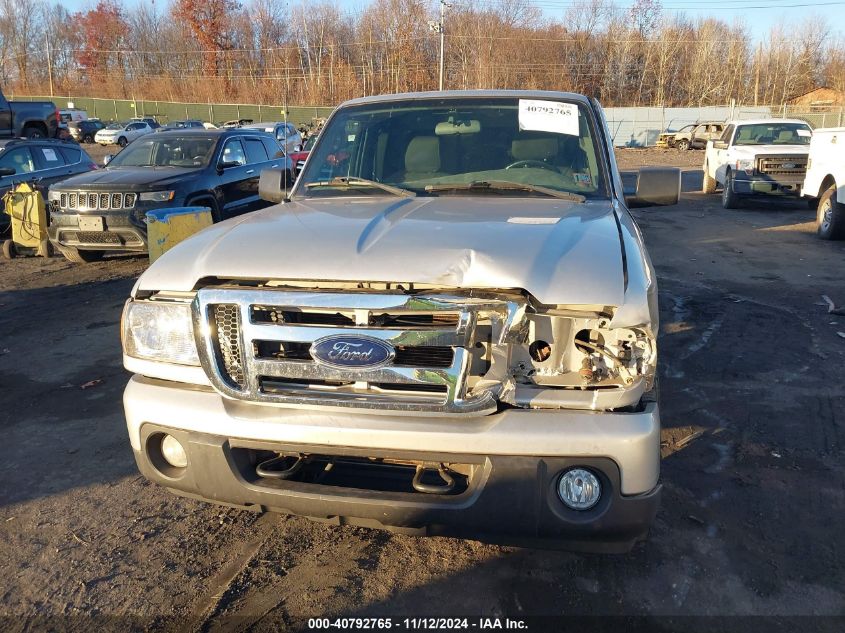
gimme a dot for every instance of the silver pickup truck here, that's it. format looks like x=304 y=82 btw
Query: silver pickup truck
x=446 y=326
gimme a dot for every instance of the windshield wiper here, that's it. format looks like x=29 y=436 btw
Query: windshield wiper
x=351 y=181
x=505 y=185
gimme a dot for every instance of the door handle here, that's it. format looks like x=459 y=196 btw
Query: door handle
x=274 y=166
x=250 y=171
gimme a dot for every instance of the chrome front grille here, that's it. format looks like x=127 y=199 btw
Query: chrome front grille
x=786 y=165
x=259 y=343
x=92 y=201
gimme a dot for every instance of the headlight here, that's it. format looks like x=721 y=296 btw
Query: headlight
x=160 y=331
x=745 y=164
x=157 y=196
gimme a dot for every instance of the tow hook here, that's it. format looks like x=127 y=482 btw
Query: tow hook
x=435 y=489
x=270 y=468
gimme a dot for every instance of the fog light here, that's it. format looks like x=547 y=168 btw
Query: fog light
x=579 y=489
x=173 y=452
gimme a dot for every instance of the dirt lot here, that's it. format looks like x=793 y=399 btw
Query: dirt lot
x=751 y=520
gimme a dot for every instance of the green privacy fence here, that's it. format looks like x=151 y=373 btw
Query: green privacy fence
x=165 y=111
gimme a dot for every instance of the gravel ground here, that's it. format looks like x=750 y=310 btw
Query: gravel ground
x=751 y=369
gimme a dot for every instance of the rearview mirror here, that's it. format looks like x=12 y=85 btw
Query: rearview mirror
x=447 y=128
x=7 y=171
x=107 y=159
x=273 y=184
x=656 y=187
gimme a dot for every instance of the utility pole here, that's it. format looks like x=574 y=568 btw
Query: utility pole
x=49 y=62
x=439 y=27
x=759 y=57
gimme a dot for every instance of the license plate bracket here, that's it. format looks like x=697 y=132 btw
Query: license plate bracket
x=91 y=223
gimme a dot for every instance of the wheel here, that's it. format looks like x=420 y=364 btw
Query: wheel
x=709 y=182
x=830 y=216
x=683 y=144
x=729 y=199
x=88 y=139
x=80 y=257
x=9 y=250
x=122 y=141
x=33 y=132
x=216 y=216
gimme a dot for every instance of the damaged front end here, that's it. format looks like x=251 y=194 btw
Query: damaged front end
x=447 y=352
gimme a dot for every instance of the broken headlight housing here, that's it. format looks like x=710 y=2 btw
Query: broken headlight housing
x=580 y=361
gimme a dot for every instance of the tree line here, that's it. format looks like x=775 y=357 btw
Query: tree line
x=307 y=52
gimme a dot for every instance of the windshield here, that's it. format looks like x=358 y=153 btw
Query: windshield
x=116 y=126
x=773 y=134
x=423 y=146
x=175 y=151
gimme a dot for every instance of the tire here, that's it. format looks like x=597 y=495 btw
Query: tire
x=80 y=257
x=122 y=141
x=729 y=199
x=31 y=131
x=211 y=204
x=88 y=139
x=9 y=250
x=709 y=185
x=683 y=144
x=830 y=216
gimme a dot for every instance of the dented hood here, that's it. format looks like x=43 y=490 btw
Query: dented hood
x=561 y=252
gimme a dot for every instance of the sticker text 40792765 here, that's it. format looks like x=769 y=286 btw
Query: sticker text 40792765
x=548 y=116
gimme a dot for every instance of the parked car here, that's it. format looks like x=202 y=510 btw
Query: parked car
x=286 y=133
x=105 y=211
x=300 y=153
x=824 y=182
x=757 y=157
x=182 y=125
x=43 y=161
x=448 y=327
x=148 y=120
x=695 y=136
x=29 y=119
x=236 y=123
x=122 y=133
x=85 y=131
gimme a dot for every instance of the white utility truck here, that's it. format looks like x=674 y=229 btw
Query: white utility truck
x=824 y=183
x=757 y=157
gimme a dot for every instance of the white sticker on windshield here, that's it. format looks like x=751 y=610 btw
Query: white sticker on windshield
x=548 y=116
x=804 y=132
x=49 y=154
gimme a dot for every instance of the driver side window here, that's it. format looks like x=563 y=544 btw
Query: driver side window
x=18 y=159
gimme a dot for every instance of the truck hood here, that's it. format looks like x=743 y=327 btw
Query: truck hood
x=562 y=252
x=126 y=179
x=758 y=150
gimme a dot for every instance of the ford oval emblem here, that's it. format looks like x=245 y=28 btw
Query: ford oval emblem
x=789 y=165
x=352 y=352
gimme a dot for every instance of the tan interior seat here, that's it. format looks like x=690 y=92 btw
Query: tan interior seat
x=422 y=159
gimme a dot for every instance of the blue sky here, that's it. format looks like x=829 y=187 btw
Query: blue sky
x=759 y=15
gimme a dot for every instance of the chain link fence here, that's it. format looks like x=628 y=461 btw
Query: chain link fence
x=166 y=111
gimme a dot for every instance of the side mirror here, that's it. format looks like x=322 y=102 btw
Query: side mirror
x=7 y=171
x=297 y=147
x=227 y=164
x=720 y=144
x=107 y=159
x=656 y=187
x=273 y=184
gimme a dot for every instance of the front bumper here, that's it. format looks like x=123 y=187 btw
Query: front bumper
x=121 y=232
x=767 y=185
x=516 y=455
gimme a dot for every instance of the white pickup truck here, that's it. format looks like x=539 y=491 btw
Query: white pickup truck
x=825 y=181
x=753 y=157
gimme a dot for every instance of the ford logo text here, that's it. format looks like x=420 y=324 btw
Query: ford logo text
x=352 y=352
